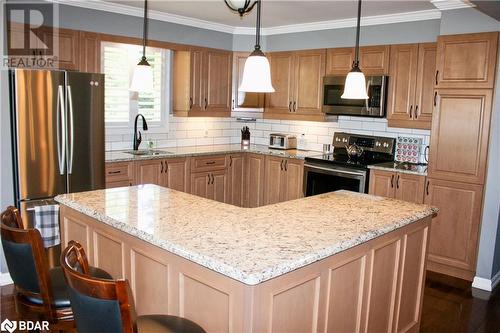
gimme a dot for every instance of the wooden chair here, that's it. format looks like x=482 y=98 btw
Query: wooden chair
x=41 y=293
x=101 y=305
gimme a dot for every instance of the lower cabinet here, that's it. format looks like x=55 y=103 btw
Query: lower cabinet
x=254 y=180
x=119 y=174
x=401 y=186
x=455 y=229
x=210 y=184
x=176 y=174
x=235 y=179
x=150 y=172
x=283 y=179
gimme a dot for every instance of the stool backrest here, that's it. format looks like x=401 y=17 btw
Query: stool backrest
x=26 y=259
x=99 y=305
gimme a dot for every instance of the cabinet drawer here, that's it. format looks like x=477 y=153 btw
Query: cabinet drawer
x=117 y=172
x=208 y=163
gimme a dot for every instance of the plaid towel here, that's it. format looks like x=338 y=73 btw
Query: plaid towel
x=47 y=222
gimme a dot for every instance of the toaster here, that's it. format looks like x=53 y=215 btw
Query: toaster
x=282 y=141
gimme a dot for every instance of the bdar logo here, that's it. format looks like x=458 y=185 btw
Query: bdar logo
x=8 y=325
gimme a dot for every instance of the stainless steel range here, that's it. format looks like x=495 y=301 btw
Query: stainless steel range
x=347 y=167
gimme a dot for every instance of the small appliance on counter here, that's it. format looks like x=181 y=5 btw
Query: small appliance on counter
x=282 y=141
x=409 y=150
x=245 y=136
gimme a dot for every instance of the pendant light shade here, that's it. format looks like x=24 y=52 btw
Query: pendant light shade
x=240 y=6
x=355 y=82
x=142 y=79
x=257 y=72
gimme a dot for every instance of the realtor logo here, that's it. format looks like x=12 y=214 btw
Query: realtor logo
x=32 y=41
x=8 y=326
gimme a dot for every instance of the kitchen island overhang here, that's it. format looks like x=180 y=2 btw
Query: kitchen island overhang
x=341 y=261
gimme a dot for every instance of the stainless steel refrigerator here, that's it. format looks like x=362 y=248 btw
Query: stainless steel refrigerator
x=57 y=122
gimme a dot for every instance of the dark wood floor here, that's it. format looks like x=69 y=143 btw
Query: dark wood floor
x=450 y=306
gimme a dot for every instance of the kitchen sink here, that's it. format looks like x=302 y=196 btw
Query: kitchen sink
x=147 y=152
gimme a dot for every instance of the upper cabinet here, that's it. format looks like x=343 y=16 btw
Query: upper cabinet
x=66 y=45
x=411 y=84
x=297 y=78
x=90 y=52
x=466 y=61
x=373 y=60
x=242 y=101
x=202 y=85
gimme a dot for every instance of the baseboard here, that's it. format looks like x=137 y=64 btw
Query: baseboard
x=486 y=284
x=5 y=279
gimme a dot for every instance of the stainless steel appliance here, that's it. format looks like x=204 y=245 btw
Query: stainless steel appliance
x=282 y=141
x=374 y=106
x=58 y=135
x=338 y=171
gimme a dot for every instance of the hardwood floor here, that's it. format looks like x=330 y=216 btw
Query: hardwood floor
x=449 y=306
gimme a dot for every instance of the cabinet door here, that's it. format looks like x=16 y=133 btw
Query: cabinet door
x=218 y=186
x=149 y=172
x=200 y=184
x=66 y=45
x=403 y=74
x=274 y=180
x=241 y=101
x=459 y=136
x=374 y=60
x=466 y=61
x=217 y=88
x=282 y=77
x=293 y=180
x=308 y=81
x=339 y=60
x=410 y=187
x=177 y=174
x=197 y=82
x=90 y=52
x=382 y=183
x=424 y=95
x=454 y=231
x=254 y=186
x=235 y=181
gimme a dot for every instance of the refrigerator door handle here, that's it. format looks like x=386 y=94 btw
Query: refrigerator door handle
x=72 y=132
x=61 y=144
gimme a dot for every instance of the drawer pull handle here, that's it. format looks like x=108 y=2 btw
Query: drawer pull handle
x=435 y=97
x=392 y=181
x=210 y=163
x=427 y=188
x=437 y=74
x=114 y=172
x=230 y=161
x=397 y=183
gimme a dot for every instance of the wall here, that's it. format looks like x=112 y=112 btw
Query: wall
x=461 y=21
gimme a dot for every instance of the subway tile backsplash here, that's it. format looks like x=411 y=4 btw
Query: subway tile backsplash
x=208 y=131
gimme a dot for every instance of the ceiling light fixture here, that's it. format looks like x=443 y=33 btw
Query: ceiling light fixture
x=257 y=72
x=240 y=6
x=142 y=79
x=355 y=82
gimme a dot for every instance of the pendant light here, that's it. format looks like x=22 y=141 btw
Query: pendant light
x=257 y=72
x=240 y=6
x=355 y=82
x=142 y=79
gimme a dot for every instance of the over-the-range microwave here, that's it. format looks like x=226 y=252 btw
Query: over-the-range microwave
x=374 y=106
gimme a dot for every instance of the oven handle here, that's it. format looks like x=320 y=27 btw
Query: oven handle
x=336 y=171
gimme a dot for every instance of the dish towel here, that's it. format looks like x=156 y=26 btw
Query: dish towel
x=47 y=222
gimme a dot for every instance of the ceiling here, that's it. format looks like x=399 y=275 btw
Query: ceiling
x=280 y=12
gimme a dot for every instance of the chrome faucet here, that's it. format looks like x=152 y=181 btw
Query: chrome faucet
x=137 y=134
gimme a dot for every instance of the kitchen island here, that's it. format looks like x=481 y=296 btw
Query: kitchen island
x=337 y=262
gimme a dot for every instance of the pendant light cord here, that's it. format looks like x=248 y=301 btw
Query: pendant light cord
x=356 y=54
x=145 y=29
x=257 y=34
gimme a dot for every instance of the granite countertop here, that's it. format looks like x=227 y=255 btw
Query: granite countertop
x=250 y=245
x=122 y=156
x=415 y=169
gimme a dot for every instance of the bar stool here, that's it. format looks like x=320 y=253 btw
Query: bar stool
x=41 y=293
x=101 y=305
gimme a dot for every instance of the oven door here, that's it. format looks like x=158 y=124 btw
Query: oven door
x=322 y=179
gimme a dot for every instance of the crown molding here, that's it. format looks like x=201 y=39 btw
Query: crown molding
x=423 y=15
x=452 y=4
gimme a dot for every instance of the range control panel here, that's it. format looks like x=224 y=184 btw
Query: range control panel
x=369 y=143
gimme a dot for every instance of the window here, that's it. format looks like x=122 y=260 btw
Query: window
x=121 y=105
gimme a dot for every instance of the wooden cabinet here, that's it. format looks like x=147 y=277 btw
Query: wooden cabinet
x=202 y=85
x=373 y=60
x=119 y=174
x=209 y=178
x=254 y=180
x=66 y=44
x=90 y=52
x=298 y=81
x=176 y=174
x=410 y=99
x=150 y=172
x=283 y=179
x=466 y=61
x=235 y=179
x=455 y=229
x=243 y=101
x=459 y=136
x=397 y=185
